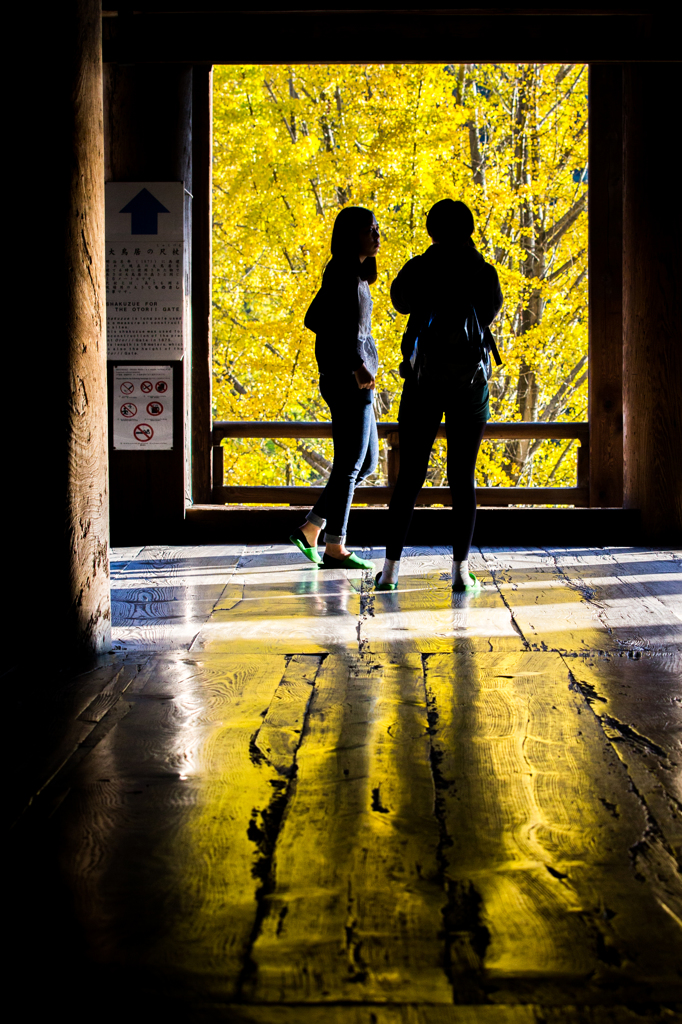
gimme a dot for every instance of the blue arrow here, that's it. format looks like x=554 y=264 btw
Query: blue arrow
x=144 y=209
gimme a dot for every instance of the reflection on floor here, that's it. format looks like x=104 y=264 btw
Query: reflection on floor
x=288 y=800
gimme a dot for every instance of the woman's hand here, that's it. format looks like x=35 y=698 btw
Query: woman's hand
x=364 y=377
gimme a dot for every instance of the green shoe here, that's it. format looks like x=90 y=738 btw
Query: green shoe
x=350 y=562
x=383 y=586
x=467 y=588
x=301 y=542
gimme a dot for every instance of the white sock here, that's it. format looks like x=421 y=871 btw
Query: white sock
x=460 y=572
x=389 y=573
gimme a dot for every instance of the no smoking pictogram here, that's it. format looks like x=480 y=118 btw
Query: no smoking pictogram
x=127 y=387
x=154 y=409
x=143 y=432
x=161 y=386
x=128 y=410
x=146 y=386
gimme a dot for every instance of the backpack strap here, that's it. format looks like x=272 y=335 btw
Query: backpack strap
x=490 y=342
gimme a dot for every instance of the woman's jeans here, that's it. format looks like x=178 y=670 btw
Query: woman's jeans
x=356 y=451
x=421 y=411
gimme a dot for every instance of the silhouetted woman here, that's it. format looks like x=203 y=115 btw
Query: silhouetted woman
x=340 y=316
x=452 y=295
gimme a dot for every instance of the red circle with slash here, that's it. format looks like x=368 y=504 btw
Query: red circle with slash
x=143 y=432
x=127 y=387
x=146 y=386
x=154 y=409
x=128 y=410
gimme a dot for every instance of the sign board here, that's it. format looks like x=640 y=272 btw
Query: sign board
x=143 y=408
x=146 y=270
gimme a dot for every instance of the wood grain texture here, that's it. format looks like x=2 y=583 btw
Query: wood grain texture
x=81 y=380
x=163 y=596
x=540 y=816
x=262 y=833
x=360 y=813
x=640 y=610
x=423 y=614
x=180 y=791
x=549 y=613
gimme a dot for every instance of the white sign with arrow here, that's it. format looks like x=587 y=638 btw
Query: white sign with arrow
x=147 y=275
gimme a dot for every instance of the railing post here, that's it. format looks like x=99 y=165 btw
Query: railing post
x=583 y=466
x=217 y=475
x=393 y=458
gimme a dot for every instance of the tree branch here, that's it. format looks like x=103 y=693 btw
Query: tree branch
x=553 y=234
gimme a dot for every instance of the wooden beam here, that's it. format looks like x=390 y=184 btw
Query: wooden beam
x=201 y=413
x=382 y=495
x=321 y=37
x=652 y=306
x=606 y=285
x=307 y=428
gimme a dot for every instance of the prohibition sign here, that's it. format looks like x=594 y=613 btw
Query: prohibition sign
x=143 y=432
x=161 y=386
x=146 y=386
x=154 y=409
x=127 y=387
x=128 y=410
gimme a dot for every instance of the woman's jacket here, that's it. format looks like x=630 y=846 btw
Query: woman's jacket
x=340 y=316
x=446 y=279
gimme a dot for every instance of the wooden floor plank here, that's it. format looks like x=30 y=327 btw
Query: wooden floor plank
x=551 y=614
x=507 y=1014
x=361 y=808
x=161 y=598
x=163 y=828
x=540 y=860
x=638 y=600
x=424 y=616
x=638 y=702
x=355 y=908
x=309 y=614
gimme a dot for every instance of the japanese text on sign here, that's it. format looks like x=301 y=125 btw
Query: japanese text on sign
x=146 y=272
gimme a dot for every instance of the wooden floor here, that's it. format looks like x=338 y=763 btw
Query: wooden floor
x=287 y=800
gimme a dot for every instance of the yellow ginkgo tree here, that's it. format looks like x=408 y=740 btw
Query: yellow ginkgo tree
x=293 y=145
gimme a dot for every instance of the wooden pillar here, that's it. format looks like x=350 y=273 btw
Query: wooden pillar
x=652 y=301
x=57 y=577
x=202 y=369
x=148 y=137
x=605 y=402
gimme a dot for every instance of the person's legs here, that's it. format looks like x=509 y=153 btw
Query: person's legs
x=419 y=418
x=464 y=439
x=353 y=426
x=372 y=456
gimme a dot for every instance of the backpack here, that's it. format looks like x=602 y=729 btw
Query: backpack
x=446 y=352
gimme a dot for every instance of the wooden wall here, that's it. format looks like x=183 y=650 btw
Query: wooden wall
x=605 y=405
x=148 y=137
x=652 y=300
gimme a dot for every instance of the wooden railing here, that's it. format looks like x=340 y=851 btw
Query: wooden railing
x=578 y=495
